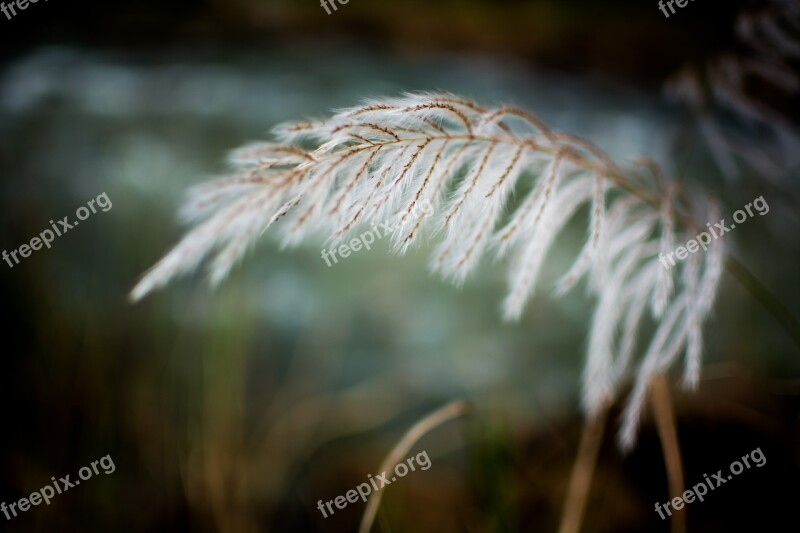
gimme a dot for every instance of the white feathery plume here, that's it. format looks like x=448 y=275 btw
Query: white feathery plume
x=632 y=320
x=714 y=265
x=443 y=164
x=589 y=251
x=670 y=337
x=694 y=334
x=665 y=286
x=531 y=254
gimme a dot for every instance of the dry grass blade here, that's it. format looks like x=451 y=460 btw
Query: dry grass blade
x=668 y=434
x=399 y=452
x=582 y=473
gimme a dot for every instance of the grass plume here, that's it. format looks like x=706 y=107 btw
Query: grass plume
x=384 y=159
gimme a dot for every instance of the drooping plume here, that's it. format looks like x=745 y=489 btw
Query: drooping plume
x=384 y=160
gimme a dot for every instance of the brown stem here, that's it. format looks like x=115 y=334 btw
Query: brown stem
x=582 y=472
x=668 y=434
x=435 y=419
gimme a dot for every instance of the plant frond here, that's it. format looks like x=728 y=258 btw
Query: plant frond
x=442 y=163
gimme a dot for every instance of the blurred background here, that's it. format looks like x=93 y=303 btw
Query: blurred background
x=238 y=409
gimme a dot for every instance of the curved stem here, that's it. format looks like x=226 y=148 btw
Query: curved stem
x=580 y=481
x=668 y=435
x=437 y=418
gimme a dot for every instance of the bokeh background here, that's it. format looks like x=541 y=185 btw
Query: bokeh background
x=237 y=409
